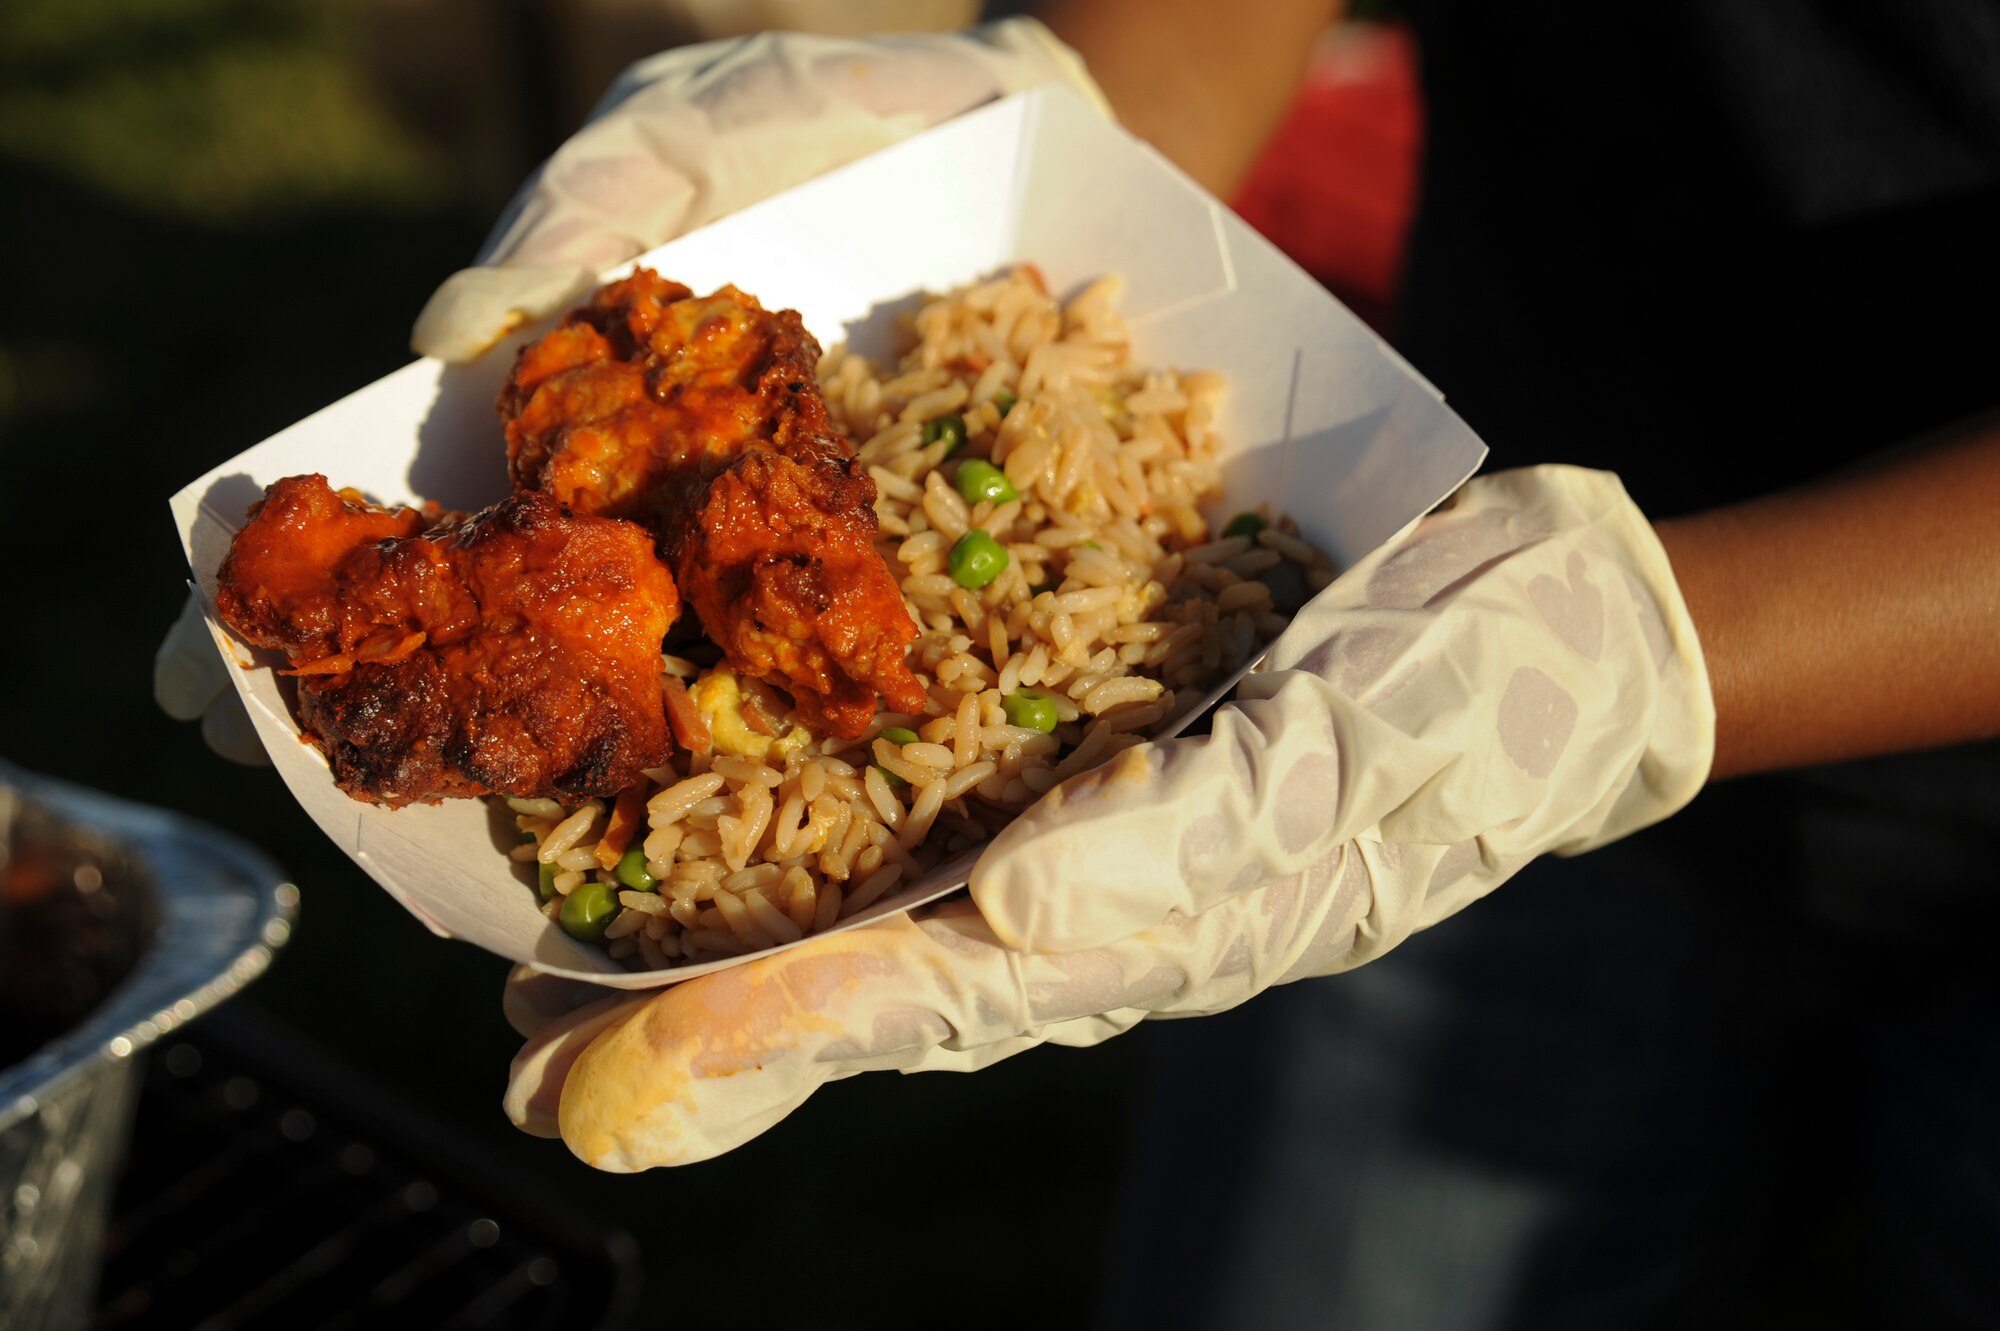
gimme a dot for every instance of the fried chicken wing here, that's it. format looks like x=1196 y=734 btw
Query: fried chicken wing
x=516 y=651
x=700 y=418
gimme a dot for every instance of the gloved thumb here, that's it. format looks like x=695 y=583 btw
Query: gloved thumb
x=1179 y=825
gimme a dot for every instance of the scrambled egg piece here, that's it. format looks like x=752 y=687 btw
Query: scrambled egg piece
x=719 y=698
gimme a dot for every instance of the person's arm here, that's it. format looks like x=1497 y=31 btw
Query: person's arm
x=1206 y=83
x=1856 y=615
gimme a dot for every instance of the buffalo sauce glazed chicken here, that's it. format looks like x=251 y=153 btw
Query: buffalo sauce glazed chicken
x=702 y=419
x=517 y=651
x=513 y=651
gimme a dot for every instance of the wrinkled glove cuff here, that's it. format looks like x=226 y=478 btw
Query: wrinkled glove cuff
x=1681 y=747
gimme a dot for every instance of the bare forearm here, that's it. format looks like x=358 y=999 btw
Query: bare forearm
x=1856 y=616
x=1204 y=82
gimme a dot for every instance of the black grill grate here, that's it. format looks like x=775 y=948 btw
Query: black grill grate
x=260 y=1191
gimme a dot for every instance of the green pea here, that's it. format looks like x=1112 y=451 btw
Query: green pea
x=979 y=479
x=1287 y=582
x=976 y=560
x=632 y=872
x=1245 y=524
x=1031 y=709
x=587 y=911
x=1004 y=401
x=951 y=429
x=899 y=736
x=548 y=882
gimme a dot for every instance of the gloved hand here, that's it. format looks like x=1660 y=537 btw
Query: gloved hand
x=1515 y=675
x=681 y=139
x=697 y=133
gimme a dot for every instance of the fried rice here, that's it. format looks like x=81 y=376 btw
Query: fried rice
x=1113 y=609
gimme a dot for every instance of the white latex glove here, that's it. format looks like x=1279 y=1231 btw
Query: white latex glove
x=694 y=134
x=1515 y=675
x=191 y=683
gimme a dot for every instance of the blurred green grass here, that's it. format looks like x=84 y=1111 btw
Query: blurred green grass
x=170 y=109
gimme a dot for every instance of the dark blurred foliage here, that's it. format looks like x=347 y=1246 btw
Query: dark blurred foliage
x=217 y=216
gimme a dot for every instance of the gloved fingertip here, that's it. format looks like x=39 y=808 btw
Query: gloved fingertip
x=183 y=688
x=532 y=999
x=475 y=308
x=188 y=673
x=227 y=729
x=539 y=1071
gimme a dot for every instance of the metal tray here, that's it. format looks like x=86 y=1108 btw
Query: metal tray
x=221 y=909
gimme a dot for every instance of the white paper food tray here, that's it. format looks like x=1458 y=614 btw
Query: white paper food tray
x=1324 y=421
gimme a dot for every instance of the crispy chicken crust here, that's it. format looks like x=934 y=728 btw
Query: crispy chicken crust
x=516 y=651
x=701 y=418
